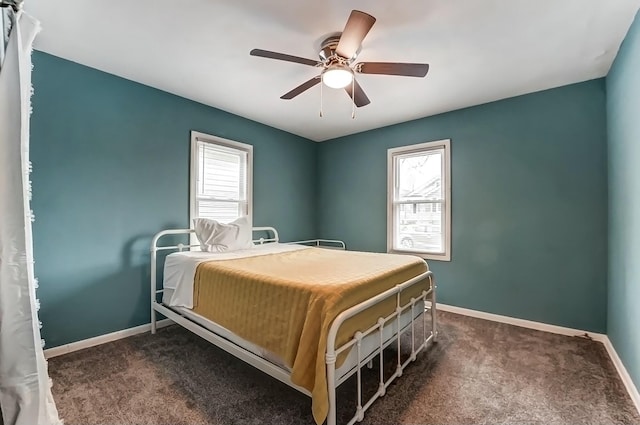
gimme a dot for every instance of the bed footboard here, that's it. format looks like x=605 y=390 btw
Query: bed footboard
x=333 y=352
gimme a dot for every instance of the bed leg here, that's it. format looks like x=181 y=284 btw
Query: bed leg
x=331 y=387
x=434 y=321
x=154 y=283
x=153 y=320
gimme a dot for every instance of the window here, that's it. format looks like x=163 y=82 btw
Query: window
x=419 y=200
x=220 y=178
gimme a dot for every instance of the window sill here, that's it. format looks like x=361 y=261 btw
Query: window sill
x=425 y=255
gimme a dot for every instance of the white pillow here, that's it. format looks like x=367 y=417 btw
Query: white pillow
x=219 y=237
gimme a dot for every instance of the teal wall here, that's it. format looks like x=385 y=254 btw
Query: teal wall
x=529 y=183
x=111 y=168
x=623 y=121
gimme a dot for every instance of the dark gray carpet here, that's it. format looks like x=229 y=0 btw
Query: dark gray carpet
x=479 y=373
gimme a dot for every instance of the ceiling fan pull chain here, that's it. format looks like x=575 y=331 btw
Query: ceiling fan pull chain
x=353 y=101
x=321 y=84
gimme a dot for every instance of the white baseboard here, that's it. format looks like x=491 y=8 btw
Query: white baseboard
x=102 y=339
x=622 y=371
x=530 y=324
x=604 y=339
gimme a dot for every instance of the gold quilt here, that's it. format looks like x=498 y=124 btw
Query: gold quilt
x=286 y=302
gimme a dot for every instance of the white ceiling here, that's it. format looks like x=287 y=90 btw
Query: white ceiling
x=479 y=51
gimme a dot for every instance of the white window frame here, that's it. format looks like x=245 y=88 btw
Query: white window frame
x=215 y=140
x=391 y=174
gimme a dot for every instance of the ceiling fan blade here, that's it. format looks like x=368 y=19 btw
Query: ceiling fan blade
x=393 y=68
x=301 y=88
x=283 y=57
x=354 y=32
x=360 y=99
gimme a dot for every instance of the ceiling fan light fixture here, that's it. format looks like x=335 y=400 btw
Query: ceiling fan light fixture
x=337 y=76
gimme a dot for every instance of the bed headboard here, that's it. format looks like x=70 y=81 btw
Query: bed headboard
x=270 y=232
x=267 y=235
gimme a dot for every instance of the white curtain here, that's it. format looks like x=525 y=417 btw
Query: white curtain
x=25 y=389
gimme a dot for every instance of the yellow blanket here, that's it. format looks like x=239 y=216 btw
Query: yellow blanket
x=286 y=302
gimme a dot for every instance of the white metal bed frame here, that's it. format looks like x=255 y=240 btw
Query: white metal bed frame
x=332 y=351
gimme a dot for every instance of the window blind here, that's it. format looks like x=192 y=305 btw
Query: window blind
x=221 y=182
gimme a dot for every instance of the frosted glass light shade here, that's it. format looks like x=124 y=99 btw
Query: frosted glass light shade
x=337 y=77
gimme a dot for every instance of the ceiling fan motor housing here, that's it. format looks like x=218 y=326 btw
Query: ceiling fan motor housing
x=328 y=54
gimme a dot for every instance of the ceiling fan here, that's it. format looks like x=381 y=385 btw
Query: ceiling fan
x=337 y=55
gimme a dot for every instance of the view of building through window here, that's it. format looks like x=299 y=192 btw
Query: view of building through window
x=420 y=201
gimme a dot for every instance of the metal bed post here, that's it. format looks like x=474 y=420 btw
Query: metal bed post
x=154 y=261
x=331 y=385
x=434 y=325
x=153 y=282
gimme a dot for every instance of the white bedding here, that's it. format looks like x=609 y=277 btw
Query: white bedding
x=180 y=269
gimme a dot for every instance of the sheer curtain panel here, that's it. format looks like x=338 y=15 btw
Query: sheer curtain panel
x=25 y=389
